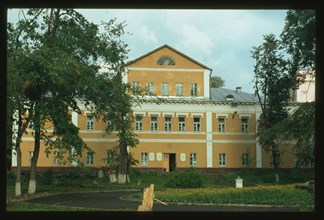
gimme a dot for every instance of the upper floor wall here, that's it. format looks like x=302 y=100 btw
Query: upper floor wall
x=169 y=73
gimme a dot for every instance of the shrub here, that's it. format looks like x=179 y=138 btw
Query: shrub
x=48 y=177
x=187 y=179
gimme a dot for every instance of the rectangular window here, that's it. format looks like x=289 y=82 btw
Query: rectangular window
x=194 y=89
x=167 y=123
x=135 y=88
x=154 y=123
x=193 y=159
x=90 y=158
x=196 y=124
x=182 y=124
x=57 y=158
x=139 y=123
x=144 y=159
x=245 y=159
x=222 y=159
x=30 y=156
x=150 y=90
x=165 y=88
x=90 y=122
x=221 y=124
x=179 y=89
x=245 y=125
x=110 y=158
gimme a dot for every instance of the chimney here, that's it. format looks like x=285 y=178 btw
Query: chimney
x=238 y=89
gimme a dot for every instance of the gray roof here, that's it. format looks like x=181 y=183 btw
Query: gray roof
x=228 y=95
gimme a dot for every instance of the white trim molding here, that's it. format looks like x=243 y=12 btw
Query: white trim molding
x=221 y=115
x=168 y=114
x=244 y=116
x=166 y=69
x=139 y=113
x=201 y=115
x=154 y=113
x=182 y=114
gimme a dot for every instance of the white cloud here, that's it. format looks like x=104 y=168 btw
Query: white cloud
x=148 y=35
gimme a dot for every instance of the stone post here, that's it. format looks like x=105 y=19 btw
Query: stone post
x=148 y=196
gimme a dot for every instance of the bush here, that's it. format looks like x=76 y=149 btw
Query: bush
x=47 y=177
x=187 y=179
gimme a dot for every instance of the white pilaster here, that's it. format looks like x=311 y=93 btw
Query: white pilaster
x=14 y=137
x=209 y=139
x=206 y=83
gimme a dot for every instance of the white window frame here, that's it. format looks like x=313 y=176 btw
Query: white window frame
x=144 y=159
x=138 y=123
x=179 y=89
x=30 y=156
x=168 y=124
x=245 y=125
x=135 y=87
x=221 y=125
x=194 y=89
x=222 y=159
x=56 y=158
x=197 y=125
x=165 y=88
x=150 y=88
x=154 y=123
x=90 y=158
x=245 y=159
x=193 y=159
x=181 y=124
x=90 y=122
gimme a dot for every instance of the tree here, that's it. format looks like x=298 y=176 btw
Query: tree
x=55 y=56
x=272 y=86
x=216 y=82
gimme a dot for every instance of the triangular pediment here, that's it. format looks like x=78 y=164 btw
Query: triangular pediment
x=163 y=56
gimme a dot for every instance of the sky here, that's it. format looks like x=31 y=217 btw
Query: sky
x=221 y=39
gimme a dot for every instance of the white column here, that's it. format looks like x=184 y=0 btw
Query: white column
x=74 y=162
x=258 y=150
x=209 y=139
x=206 y=84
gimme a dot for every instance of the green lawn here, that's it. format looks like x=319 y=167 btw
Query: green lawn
x=259 y=188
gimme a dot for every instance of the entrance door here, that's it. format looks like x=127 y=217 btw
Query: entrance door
x=172 y=162
x=166 y=166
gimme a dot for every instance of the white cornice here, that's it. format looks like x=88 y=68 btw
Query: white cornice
x=166 y=69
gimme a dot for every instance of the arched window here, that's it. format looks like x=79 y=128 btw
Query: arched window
x=165 y=61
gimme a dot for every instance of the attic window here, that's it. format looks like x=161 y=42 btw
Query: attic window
x=229 y=97
x=165 y=61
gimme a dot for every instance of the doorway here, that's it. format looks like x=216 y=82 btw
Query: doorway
x=169 y=162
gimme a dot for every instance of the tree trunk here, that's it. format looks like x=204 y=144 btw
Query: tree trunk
x=33 y=165
x=275 y=161
x=122 y=178
x=18 y=171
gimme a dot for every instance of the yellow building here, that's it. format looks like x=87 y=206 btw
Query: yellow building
x=194 y=125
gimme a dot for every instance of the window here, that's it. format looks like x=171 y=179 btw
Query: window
x=182 y=123
x=150 y=88
x=154 y=123
x=57 y=158
x=222 y=159
x=110 y=158
x=90 y=158
x=90 y=122
x=245 y=159
x=165 y=61
x=144 y=159
x=179 y=89
x=193 y=159
x=194 y=89
x=245 y=125
x=167 y=123
x=135 y=88
x=139 y=123
x=30 y=156
x=196 y=124
x=165 y=88
x=109 y=125
x=221 y=124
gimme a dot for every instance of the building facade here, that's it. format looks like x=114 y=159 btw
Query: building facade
x=191 y=124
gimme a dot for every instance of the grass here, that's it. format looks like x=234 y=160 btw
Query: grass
x=259 y=188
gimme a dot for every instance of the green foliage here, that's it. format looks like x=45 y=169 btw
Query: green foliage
x=216 y=82
x=47 y=177
x=187 y=179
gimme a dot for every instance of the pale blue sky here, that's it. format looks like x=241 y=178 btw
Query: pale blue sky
x=219 y=39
